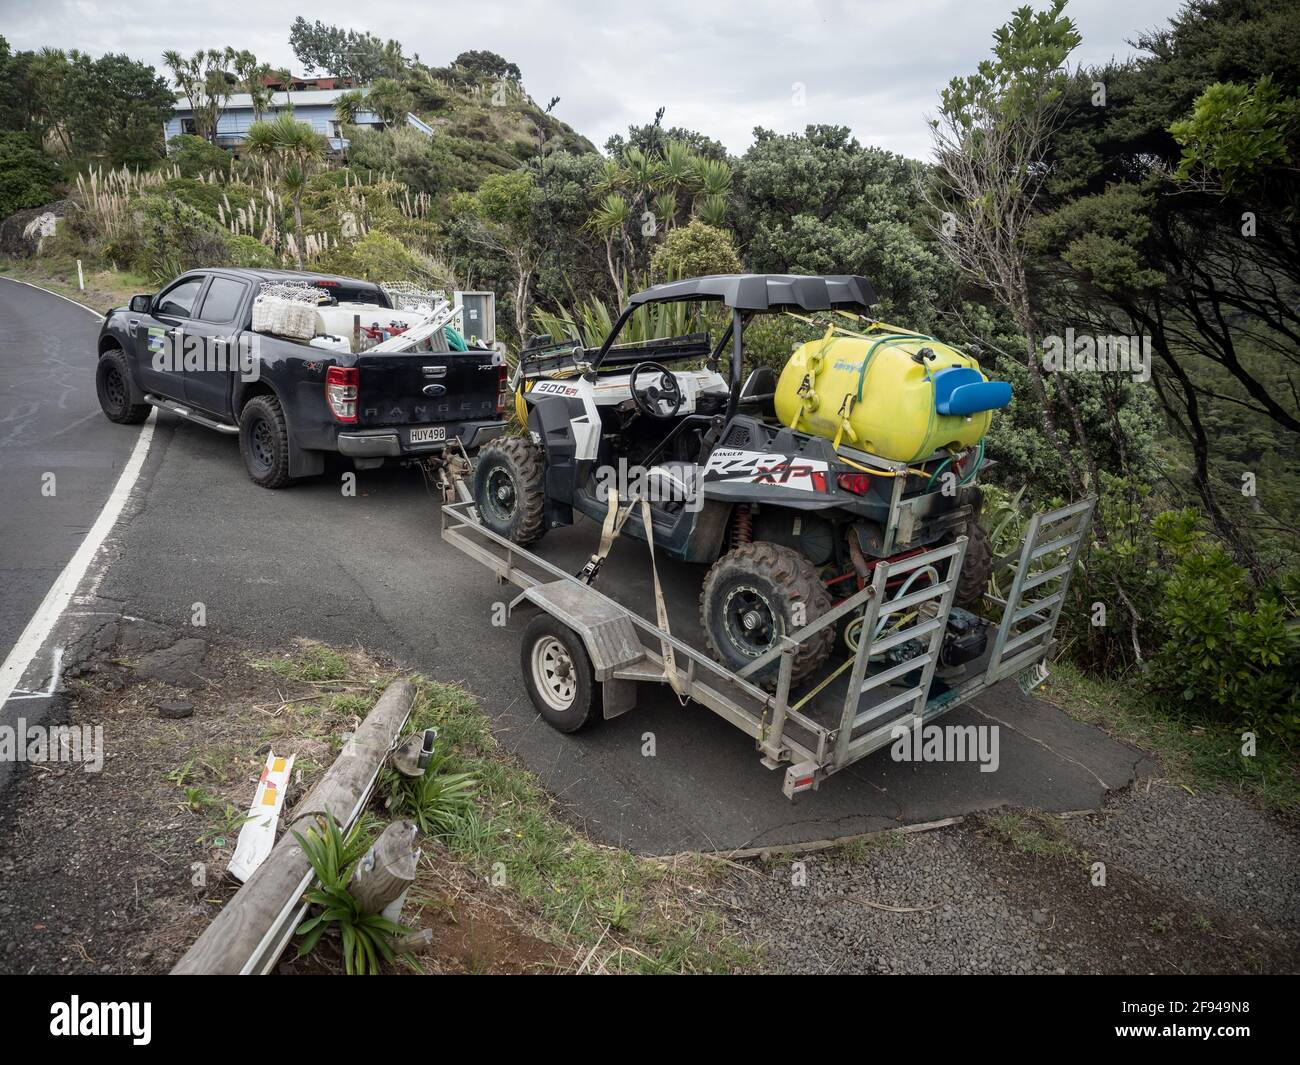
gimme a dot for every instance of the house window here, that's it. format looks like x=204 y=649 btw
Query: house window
x=187 y=126
x=336 y=129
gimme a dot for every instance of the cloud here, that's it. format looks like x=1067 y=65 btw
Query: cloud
x=721 y=67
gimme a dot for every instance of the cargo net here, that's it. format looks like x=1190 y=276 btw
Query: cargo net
x=406 y=296
x=295 y=292
x=288 y=309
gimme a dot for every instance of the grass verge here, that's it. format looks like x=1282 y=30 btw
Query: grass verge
x=611 y=910
x=1195 y=754
x=105 y=289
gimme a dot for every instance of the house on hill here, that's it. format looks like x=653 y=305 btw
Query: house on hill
x=315 y=106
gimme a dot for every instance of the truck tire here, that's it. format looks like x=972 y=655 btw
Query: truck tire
x=752 y=595
x=976 y=568
x=558 y=675
x=264 y=441
x=113 y=386
x=508 y=478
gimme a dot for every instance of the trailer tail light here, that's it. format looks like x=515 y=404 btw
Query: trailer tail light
x=857 y=483
x=503 y=388
x=341 y=388
x=800 y=778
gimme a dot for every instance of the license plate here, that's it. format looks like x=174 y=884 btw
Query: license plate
x=433 y=435
x=1032 y=677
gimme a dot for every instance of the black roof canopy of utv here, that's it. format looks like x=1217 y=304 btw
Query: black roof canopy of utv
x=766 y=292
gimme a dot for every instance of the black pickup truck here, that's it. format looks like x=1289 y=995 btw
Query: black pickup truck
x=191 y=349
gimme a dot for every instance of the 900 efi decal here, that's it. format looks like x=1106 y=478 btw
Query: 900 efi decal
x=758 y=467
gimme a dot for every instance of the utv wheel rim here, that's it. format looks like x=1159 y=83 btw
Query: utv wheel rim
x=501 y=494
x=749 y=620
x=261 y=446
x=553 y=673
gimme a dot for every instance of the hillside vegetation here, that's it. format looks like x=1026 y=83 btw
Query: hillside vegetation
x=1154 y=198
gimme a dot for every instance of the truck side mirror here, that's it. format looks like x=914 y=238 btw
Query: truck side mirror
x=141 y=304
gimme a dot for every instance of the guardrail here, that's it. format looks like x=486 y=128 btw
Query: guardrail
x=252 y=930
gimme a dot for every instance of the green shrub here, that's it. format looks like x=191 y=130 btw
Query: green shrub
x=695 y=250
x=174 y=237
x=250 y=252
x=196 y=156
x=208 y=198
x=1229 y=650
x=27 y=174
x=380 y=257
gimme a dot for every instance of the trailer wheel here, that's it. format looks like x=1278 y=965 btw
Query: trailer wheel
x=757 y=593
x=976 y=568
x=558 y=675
x=508 y=479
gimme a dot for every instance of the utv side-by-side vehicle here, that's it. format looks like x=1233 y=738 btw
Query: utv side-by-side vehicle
x=873 y=457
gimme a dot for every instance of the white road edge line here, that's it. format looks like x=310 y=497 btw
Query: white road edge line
x=65 y=587
x=51 y=292
x=61 y=592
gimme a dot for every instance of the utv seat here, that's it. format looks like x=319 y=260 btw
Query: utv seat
x=758 y=395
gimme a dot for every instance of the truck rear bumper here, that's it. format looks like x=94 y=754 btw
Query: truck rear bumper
x=387 y=443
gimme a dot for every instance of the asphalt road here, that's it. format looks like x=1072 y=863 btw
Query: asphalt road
x=50 y=424
x=371 y=570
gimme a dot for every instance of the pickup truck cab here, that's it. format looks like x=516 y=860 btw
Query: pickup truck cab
x=191 y=349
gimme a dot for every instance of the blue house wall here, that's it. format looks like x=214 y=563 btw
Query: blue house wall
x=235 y=122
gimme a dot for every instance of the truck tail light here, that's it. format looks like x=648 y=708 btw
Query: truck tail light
x=857 y=483
x=503 y=388
x=342 y=384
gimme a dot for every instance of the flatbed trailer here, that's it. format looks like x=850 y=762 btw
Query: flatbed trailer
x=890 y=680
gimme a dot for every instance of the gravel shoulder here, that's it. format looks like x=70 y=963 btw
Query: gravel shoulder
x=1158 y=881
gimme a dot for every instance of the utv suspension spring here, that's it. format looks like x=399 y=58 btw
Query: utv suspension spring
x=742 y=526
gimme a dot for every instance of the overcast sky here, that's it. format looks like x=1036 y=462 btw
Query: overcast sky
x=719 y=66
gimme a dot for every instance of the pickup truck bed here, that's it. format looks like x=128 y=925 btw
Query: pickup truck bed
x=190 y=349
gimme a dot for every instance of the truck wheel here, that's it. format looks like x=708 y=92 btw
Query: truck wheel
x=757 y=593
x=976 y=568
x=558 y=675
x=264 y=441
x=113 y=385
x=508 y=480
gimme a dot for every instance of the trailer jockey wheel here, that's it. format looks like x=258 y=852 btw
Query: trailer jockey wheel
x=558 y=675
x=650 y=399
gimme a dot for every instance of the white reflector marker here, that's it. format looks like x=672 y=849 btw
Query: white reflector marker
x=257 y=837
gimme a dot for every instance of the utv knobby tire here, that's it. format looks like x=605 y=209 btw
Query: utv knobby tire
x=508 y=492
x=113 y=386
x=264 y=441
x=976 y=568
x=780 y=578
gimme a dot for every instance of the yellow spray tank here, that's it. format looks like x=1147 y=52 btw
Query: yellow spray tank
x=901 y=396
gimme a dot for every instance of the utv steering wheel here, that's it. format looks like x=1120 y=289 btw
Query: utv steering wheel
x=651 y=399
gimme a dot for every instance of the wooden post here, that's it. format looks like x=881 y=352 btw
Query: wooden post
x=387 y=870
x=248 y=935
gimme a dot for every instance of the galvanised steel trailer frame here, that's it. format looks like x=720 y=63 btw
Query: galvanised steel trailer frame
x=875 y=701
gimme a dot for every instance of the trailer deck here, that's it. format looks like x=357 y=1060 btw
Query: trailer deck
x=860 y=701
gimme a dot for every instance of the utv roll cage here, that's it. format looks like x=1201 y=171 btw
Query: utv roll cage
x=745 y=295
